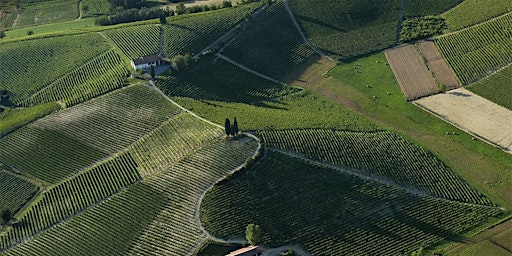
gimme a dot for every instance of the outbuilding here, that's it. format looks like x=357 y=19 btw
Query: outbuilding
x=144 y=62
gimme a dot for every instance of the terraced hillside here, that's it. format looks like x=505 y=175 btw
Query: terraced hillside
x=329 y=212
x=270 y=44
x=193 y=33
x=136 y=41
x=59 y=145
x=70 y=69
x=15 y=191
x=478 y=51
x=379 y=155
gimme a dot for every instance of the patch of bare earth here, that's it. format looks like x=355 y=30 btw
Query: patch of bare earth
x=310 y=72
x=473 y=114
x=410 y=71
x=437 y=64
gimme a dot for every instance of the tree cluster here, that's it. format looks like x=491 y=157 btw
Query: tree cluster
x=182 y=9
x=182 y=62
x=231 y=129
x=6 y=216
x=253 y=234
x=131 y=15
x=2 y=34
x=421 y=27
x=127 y=4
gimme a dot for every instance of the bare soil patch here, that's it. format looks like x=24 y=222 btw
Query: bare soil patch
x=473 y=114
x=310 y=72
x=410 y=71
x=437 y=64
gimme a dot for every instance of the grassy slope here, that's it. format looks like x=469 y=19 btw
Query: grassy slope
x=303 y=110
x=43 y=12
x=14 y=118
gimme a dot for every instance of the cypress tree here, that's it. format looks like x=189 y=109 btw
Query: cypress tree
x=227 y=127
x=235 y=127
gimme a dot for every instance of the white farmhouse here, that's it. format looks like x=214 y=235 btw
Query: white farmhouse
x=144 y=62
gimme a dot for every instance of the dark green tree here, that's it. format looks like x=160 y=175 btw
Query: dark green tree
x=253 y=234
x=6 y=215
x=235 y=127
x=227 y=127
x=2 y=34
x=152 y=71
x=163 y=17
x=179 y=62
x=188 y=59
x=181 y=9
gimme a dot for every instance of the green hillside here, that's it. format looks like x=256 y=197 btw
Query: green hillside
x=64 y=68
x=217 y=79
x=270 y=44
x=329 y=212
x=15 y=191
x=472 y=12
x=346 y=28
x=478 y=51
x=379 y=155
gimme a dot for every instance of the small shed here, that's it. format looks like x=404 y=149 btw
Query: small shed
x=247 y=251
x=144 y=62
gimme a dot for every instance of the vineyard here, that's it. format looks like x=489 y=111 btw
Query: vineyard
x=496 y=87
x=205 y=78
x=194 y=32
x=270 y=44
x=415 y=8
x=71 y=196
x=358 y=217
x=348 y=28
x=15 y=191
x=475 y=52
x=34 y=70
x=105 y=229
x=136 y=41
x=175 y=231
x=15 y=118
x=381 y=155
x=464 y=14
x=171 y=141
x=43 y=12
x=59 y=145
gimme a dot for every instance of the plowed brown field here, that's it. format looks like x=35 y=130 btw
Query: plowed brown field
x=437 y=64
x=412 y=74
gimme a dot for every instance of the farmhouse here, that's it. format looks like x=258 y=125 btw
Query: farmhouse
x=144 y=62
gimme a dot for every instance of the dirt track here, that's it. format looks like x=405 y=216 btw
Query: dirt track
x=411 y=72
x=474 y=114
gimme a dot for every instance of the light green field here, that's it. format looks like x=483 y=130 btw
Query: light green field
x=496 y=88
x=15 y=118
x=44 y=12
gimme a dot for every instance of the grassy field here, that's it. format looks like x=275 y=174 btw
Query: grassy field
x=464 y=14
x=304 y=110
x=496 y=88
